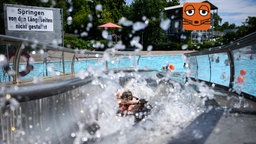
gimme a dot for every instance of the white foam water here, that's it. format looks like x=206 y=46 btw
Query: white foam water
x=66 y=117
x=174 y=107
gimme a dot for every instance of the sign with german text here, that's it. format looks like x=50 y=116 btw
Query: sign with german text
x=29 y=19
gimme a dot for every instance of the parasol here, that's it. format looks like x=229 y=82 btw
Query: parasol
x=109 y=25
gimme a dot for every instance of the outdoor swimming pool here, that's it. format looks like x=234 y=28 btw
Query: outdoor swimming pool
x=152 y=62
x=216 y=68
x=213 y=68
x=176 y=104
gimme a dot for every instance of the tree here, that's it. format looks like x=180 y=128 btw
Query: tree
x=216 y=21
x=94 y=13
x=240 y=31
x=172 y=3
x=249 y=24
x=151 y=13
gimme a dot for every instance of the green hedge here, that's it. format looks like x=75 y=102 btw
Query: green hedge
x=72 y=41
x=167 y=46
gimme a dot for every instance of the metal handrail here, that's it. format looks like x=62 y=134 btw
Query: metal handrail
x=240 y=43
x=4 y=39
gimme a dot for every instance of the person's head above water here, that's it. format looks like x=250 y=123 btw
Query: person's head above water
x=127 y=95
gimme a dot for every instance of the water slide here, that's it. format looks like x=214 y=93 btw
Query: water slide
x=182 y=113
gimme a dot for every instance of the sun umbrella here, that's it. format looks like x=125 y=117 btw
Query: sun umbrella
x=109 y=25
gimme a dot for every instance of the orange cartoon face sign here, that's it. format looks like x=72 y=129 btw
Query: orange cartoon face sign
x=196 y=16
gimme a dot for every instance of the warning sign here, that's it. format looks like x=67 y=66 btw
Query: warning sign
x=29 y=19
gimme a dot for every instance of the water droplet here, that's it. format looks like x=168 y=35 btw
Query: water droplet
x=105 y=34
x=185 y=46
x=84 y=139
x=70 y=9
x=89 y=26
x=90 y=17
x=73 y=134
x=139 y=26
x=125 y=22
x=98 y=7
x=183 y=37
x=3 y=60
x=44 y=1
x=176 y=24
x=84 y=34
x=149 y=48
x=213 y=85
x=69 y=20
x=165 y=24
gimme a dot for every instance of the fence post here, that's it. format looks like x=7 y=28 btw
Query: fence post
x=16 y=62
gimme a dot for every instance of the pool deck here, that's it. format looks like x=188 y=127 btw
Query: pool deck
x=68 y=56
x=160 y=52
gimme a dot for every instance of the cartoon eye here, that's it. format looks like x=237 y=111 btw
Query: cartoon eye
x=203 y=12
x=190 y=12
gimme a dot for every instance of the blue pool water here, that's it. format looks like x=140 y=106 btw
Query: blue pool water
x=157 y=62
x=56 y=68
x=153 y=62
x=215 y=69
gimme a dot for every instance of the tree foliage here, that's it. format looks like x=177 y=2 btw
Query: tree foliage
x=240 y=31
x=249 y=25
x=87 y=15
x=151 y=13
x=216 y=21
x=172 y=3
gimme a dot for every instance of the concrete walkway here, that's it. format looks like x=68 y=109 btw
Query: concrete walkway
x=55 y=56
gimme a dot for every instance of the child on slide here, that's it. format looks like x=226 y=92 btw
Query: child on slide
x=126 y=101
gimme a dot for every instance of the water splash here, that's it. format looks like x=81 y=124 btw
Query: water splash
x=69 y=20
x=3 y=60
x=139 y=26
x=185 y=46
x=125 y=22
x=98 y=7
x=165 y=24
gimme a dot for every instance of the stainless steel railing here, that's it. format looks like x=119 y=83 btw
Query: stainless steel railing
x=64 y=55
